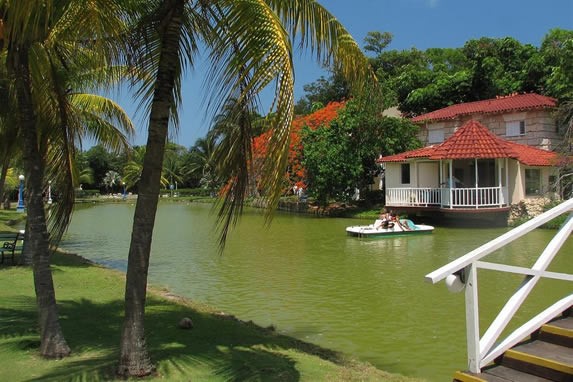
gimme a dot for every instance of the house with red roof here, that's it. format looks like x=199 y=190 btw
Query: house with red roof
x=481 y=157
x=521 y=118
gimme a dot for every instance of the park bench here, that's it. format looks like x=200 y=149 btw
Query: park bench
x=10 y=244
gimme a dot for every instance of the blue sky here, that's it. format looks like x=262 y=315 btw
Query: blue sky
x=414 y=23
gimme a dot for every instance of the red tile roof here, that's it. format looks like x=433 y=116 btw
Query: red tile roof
x=474 y=140
x=532 y=156
x=511 y=103
x=423 y=152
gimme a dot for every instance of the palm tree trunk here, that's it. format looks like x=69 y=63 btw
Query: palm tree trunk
x=52 y=341
x=134 y=357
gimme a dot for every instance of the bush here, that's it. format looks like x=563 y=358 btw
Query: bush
x=84 y=194
x=193 y=192
x=373 y=196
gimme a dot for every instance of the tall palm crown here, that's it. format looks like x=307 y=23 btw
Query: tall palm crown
x=47 y=43
x=250 y=46
x=249 y=43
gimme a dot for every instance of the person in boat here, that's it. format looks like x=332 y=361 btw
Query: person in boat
x=385 y=220
x=396 y=220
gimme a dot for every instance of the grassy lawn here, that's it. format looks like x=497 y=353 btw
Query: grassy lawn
x=218 y=348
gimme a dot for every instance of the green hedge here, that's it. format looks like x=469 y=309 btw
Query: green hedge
x=82 y=194
x=191 y=192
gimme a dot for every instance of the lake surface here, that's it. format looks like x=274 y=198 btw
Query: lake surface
x=302 y=274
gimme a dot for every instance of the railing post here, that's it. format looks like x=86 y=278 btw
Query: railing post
x=472 y=319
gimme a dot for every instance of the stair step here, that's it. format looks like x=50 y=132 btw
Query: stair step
x=558 y=332
x=508 y=374
x=498 y=373
x=543 y=359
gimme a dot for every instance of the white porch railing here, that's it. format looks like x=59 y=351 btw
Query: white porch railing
x=413 y=196
x=447 y=197
x=462 y=272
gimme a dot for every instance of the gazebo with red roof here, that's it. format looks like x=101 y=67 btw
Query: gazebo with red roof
x=473 y=171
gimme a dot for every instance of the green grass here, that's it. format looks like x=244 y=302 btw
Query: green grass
x=218 y=348
x=8 y=218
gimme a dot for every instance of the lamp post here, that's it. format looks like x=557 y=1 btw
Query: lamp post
x=124 y=191
x=50 y=192
x=20 y=207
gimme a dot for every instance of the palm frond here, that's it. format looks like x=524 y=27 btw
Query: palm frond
x=103 y=120
x=251 y=51
x=320 y=32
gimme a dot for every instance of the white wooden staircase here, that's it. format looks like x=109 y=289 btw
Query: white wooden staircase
x=547 y=355
x=540 y=349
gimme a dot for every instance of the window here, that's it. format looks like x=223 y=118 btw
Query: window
x=532 y=181
x=436 y=136
x=405 y=173
x=514 y=128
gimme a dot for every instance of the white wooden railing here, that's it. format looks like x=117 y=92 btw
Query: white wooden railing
x=462 y=274
x=447 y=197
x=413 y=196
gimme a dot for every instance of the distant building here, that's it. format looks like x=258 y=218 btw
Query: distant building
x=479 y=159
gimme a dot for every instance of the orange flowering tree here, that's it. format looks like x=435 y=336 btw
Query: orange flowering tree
x=295 y=174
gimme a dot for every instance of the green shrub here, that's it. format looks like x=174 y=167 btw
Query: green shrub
x=193 y=192
x=84 y=194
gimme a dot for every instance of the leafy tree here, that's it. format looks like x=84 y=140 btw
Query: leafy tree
x=250 y=49
x=101 y=160
x=332 y=165
x=422 y=81
x=377 y=41
x=295 y=174
x=341 y=156
x=557 y=52
x=321 y=92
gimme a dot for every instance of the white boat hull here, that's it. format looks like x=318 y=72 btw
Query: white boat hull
x=374 y=230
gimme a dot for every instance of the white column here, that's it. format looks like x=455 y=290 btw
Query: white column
x=500 y=192
x=472 y=319
x=450 y=182
x=441 y=181
x=476 y=201
x=507 y=202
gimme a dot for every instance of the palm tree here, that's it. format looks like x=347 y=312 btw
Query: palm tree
x=172 y=166
x=200 y=161
x=86 y=176
x=133 y=167
x=42 y=41
x=111 y=180
x=251 y=47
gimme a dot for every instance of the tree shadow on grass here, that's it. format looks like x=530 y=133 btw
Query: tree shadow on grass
x=218 y=347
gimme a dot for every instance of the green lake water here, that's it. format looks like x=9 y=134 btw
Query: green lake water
x=305 y=276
